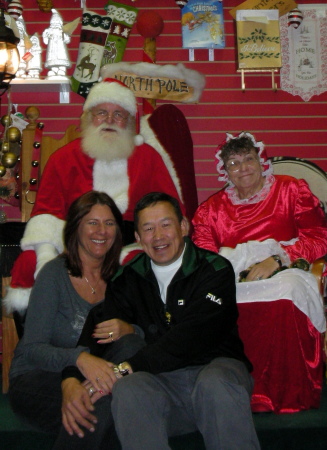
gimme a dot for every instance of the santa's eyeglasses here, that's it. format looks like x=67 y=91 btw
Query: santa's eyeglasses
x=116 y=116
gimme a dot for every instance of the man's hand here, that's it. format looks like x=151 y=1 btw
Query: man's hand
x=76 y=408
x=112 y=330
x=98 y=371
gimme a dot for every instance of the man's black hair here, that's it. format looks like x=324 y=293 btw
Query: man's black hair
x=151 y=199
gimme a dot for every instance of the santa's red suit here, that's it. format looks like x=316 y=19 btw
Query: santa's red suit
x=70 y=173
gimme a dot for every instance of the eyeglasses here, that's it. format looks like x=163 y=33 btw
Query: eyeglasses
x=235 y=164
x=116 y=116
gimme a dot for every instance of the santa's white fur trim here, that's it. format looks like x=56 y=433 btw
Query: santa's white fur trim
x=127 y=249
x=139 y=139
x=43 y=229
x=151 y=139
x=112 y=178
x=193 y=78
x=44 y=254
x=111 y=92
x=16 y=299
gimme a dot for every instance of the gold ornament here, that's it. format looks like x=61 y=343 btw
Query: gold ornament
x=45 y=5
x=2 y=170
x=5 y=147
x=9 y=160
x=6 y=120
x=13 y=134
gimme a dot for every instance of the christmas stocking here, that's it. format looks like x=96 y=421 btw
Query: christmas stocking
x=123 y=18
x=94 y=33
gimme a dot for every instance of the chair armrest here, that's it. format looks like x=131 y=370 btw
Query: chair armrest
x=317 y=270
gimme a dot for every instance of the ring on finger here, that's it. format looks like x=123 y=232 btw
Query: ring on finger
x=91 y=391
x=111 y=334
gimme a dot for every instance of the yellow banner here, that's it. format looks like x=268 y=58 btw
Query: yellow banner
x=258 y=39
x=284 y=6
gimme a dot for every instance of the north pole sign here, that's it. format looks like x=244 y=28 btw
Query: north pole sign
x=158 y=88
x=167 y=82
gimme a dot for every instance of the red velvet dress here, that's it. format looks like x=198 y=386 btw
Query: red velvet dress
x=279 y=339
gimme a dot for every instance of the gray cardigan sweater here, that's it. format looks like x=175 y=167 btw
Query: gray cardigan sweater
x=54 y=321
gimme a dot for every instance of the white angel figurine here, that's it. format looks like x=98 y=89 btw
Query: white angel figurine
x=34 y=65
x=23 y=46
x=56 y=37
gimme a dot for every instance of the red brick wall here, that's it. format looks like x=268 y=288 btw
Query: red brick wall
x=288 y=125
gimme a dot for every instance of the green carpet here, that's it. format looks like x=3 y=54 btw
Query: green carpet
x=306 y=430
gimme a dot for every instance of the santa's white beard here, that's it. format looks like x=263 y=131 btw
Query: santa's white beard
x=107 y=145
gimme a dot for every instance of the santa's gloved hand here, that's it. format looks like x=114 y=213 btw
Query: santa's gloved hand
x=44 y=253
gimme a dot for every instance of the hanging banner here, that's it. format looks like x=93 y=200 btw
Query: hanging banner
x=283 y=6
x=304 y=55
x=258 y=39
x=203 y=24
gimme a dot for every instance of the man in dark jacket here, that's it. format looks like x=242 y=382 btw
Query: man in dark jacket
x=192 y=373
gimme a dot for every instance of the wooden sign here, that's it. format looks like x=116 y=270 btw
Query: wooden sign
x=152 y=81
x=158 y=88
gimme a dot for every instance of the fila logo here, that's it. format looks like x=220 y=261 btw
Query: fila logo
x=213 y=298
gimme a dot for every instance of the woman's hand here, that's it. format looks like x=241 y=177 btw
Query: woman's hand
x=76 y=407
x=98 y=371
x=262 y=270
x=111 y=330
x=93 y=393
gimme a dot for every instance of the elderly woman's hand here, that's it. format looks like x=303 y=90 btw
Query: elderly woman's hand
x=262 y=270
x=111 y=330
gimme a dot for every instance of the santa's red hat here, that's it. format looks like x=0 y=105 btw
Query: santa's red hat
x=115 y=91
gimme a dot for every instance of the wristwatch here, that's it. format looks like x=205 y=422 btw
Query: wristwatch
x=124 y=369
x=277 y=259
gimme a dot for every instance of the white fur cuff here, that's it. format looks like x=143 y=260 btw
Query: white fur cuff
x=128 y=249
x=17 y=299
x=41 y=229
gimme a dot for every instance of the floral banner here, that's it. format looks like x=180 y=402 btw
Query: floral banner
x=304 y=53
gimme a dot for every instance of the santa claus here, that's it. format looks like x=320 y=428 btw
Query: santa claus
x=110 y=157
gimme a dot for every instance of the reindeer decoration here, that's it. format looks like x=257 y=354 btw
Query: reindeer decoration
x=110 y=54
x=86 y=64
